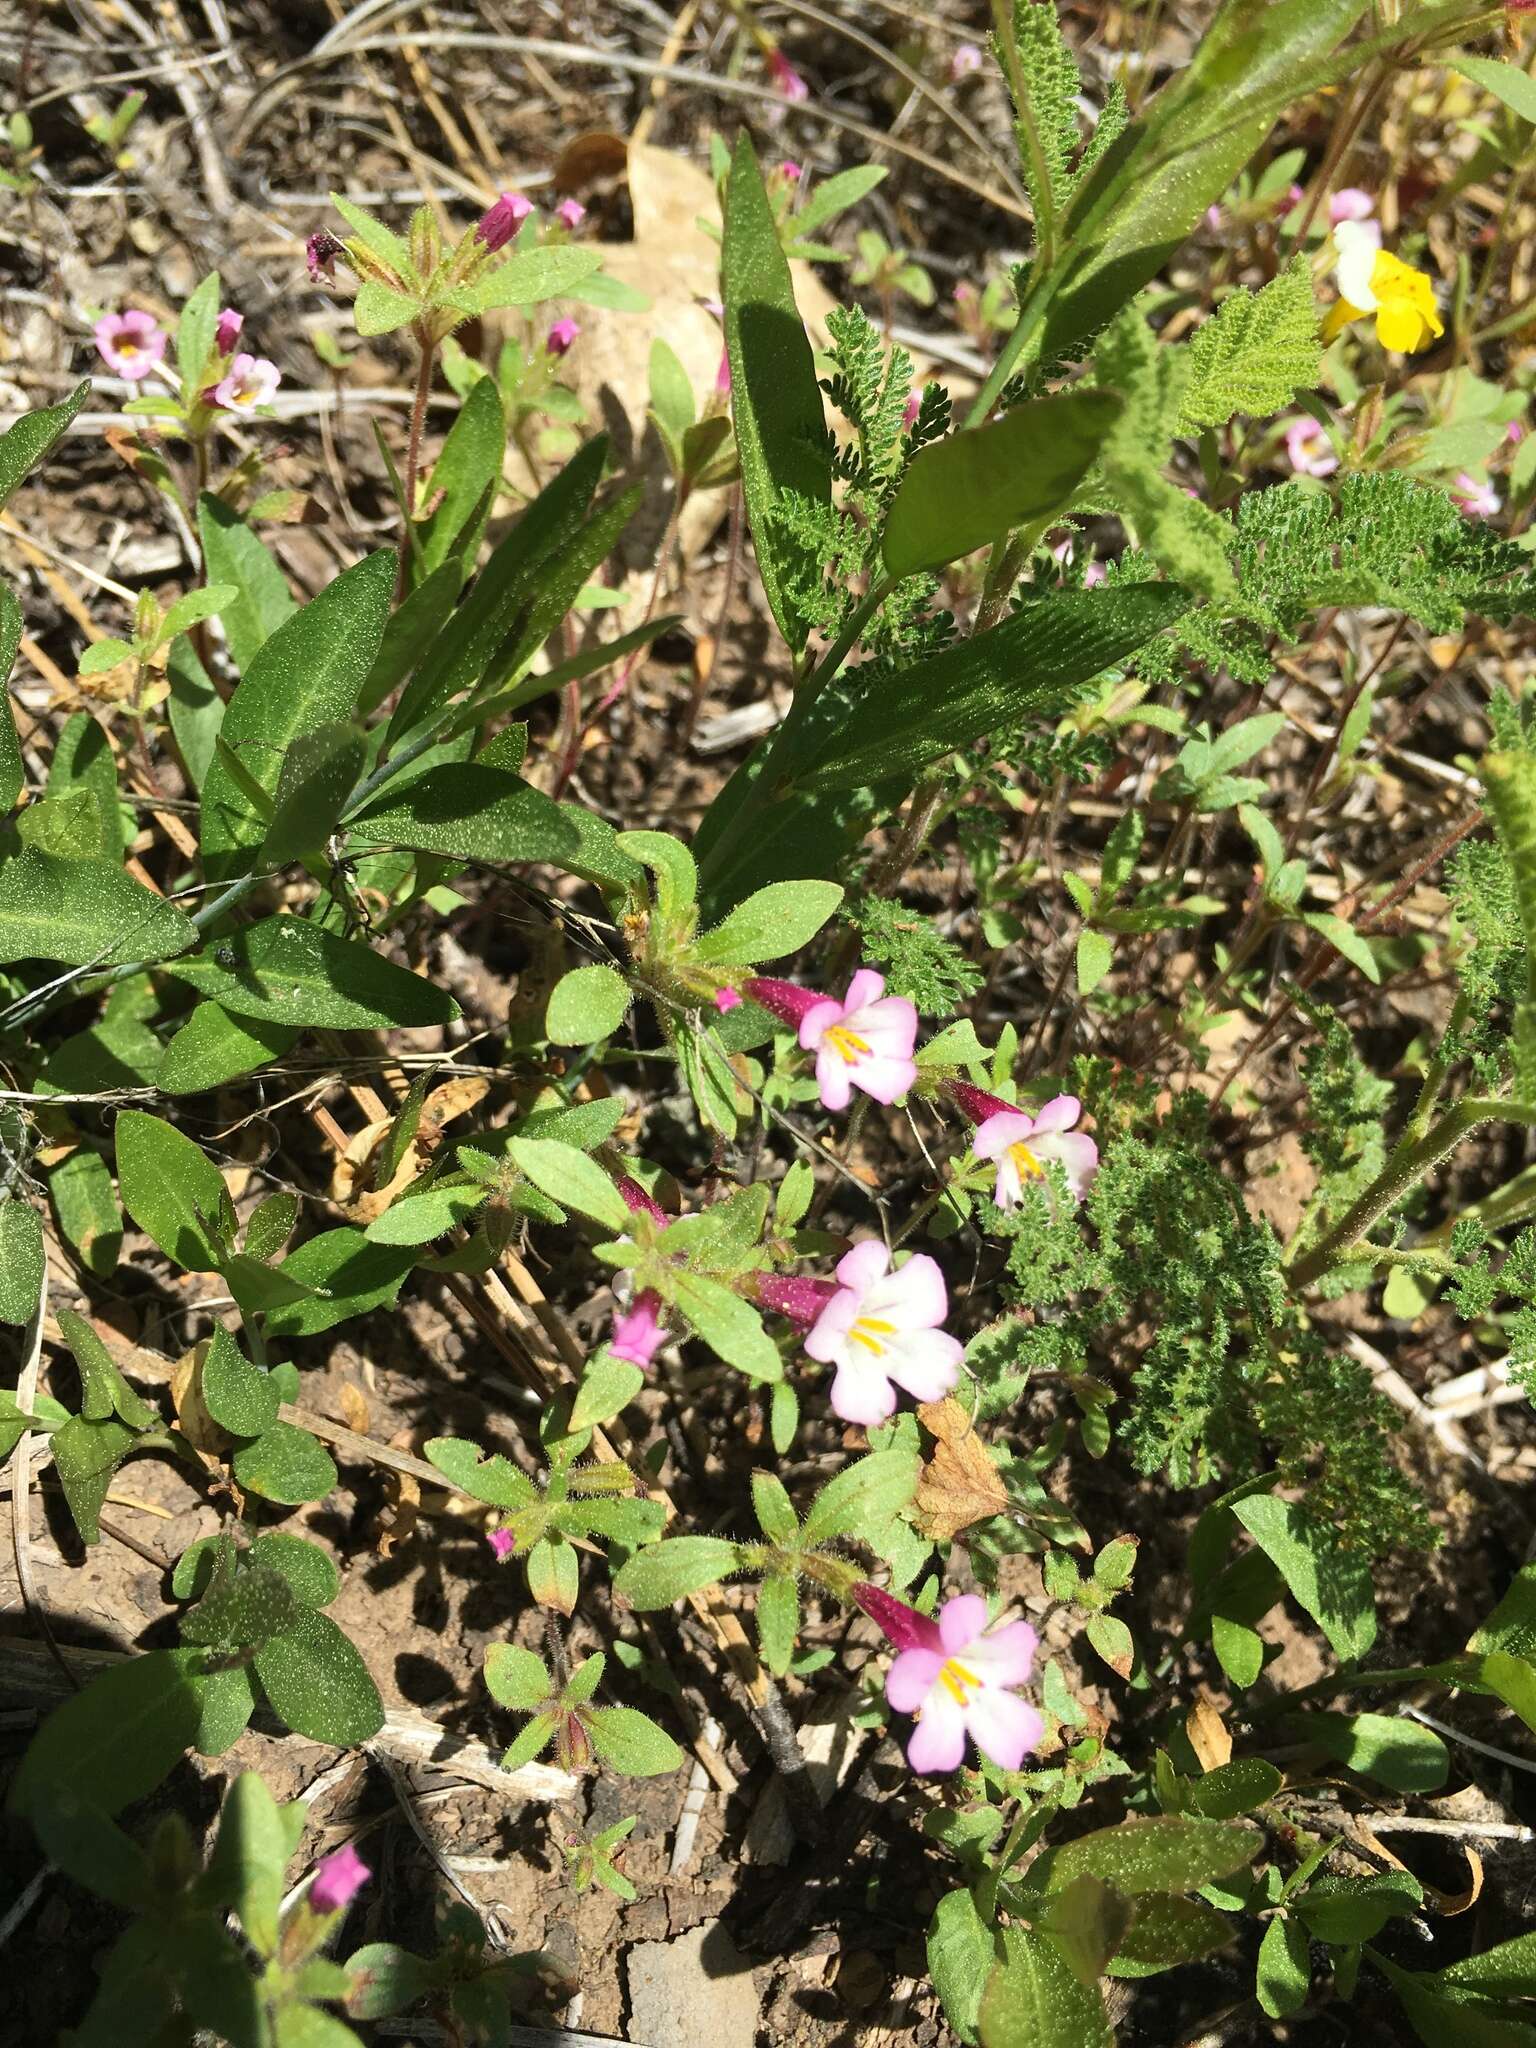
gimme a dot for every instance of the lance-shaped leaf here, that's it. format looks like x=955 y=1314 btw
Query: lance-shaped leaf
x=23 y=445
x=287 y=971
x=85 y=913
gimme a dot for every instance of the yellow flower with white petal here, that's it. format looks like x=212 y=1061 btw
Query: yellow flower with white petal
x=1372 y=280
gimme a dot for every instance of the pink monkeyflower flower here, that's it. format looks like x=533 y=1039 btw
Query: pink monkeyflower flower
x=865 y=1041
x=1308 y=449
x=1476 y=500
x=561 y=336
x=249 y=382
x=1514 y=433
x=956 y=1677
x=726 y=998
x=786 y=78
x=131 y=343
x=570 y=213
x=502 y=1543
x=966 y=60
x=338 y=1879
x=1094 y=574
x=798 y=1297
x=1350 y=204
x=881 y=1329
x=227 y=333
x=911 y=409
x=320 y=253
x=790 y=171
x=638 y=1331
x=1023 y=1146
x=499 y=223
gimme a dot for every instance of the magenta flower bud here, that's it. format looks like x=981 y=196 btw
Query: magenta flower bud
x=637 y=1200
x=638 y=1333
x=499 y=223
x=796 y=1296
x=975 y=1103
x=910 y=411
x=320 y=253
x=791 y=172
x=502 y=1543
x=901 y=1624
x=785 y=1000
x=561 y=336
x=570 y=213
x=227 y=333
x=339 y=1877
x=727 y=999
x=786 y=78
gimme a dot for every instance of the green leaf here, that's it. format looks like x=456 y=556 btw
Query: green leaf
x=473 y=812
x=771 y=1504
x=85 y=1205
x=730 y=1326
x=1165 y=1853
x=778 y=1621
x=171 y=1189
x=863 y=1496
x=21 y=1260
x=1234 y=1788
x=418 y=1218
x=318 y=1684
x=630 y=1742
x=771 y=923
x=306 y=676
x=671 y=392
x=82 y=761
x=781 y=433
x=1020 y=674
x=234 y=554
x=115 y=1741
x=1507 y=1971
x=311 y=1577
x=1032 y=1999
x=386 y=1978
x=392 y=250
x=1257 y=353
x=527 y=278
x=318 y=774
x=285 y=1464
x=380 y=309
x=287 y=971
x=196 y=711
x=104 y=1390
x=491 y=1479
x=671 y=1569
x=1333 y=1585
x=469 y=463
x=1285 y=1968
x=960 y=1958
x=1344 y=939
x=971 y=488
x=12 y=775
x=241 y=1611
x=835 y=195
x=85 y=913
x=245 y=1871
x=1167 y=1931
x=572 y=1179
x=534 y=1739
x=238 y=1395
x=85 y=1456
x=1349 y=1910
x=349 y=1275
x=607 y=1387
x=226 y=1703
x=1387 y=1747
x=1442 y=2021
x=1507 y=82
x=213 y=1047
x=1095 y=957
x=517 y=1678
x=195 y=330
x=24 y=444
x=413 y=631
x=586 y=1005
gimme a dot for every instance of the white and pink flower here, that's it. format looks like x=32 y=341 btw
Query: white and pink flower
x=882 y=1330
x=966 y=61
x=638 y=1331
x=1478 y=500
x=132 y=343
x=1351 y=204
x=1023 y=1146
x=250 y=382
x=1308 y=449
x=865 y=1041
x=786 y=78
x=956 y=1678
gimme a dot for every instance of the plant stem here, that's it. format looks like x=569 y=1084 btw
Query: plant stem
x=1410 y=1162
x=428 y=357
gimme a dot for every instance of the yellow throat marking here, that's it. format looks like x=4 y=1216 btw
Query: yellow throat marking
x=868 y=1331
x=847 y=1043
x=1026 y=1165
x=954 y=1677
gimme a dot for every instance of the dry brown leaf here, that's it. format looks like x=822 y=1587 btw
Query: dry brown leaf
x=197 y=1425
x=402 y=1509
x=1207 y=1733
x=354 y=1409
x=959 y=1484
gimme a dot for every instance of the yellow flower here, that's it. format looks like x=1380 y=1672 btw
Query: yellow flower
x=1373 y=281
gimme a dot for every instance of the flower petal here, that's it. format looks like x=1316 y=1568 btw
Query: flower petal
x=1003 y=1726
x=1005 y=1656
x=814 y=1024
x=991 y=1138
x=912 y=1676
x=961 y=1621
x=827 y=1338
x=914 y=1297
x=868 y=1262
x=1356 y=268
x=1076 y=1152
x=1059 y=1114
x=862 y=1393
x=938 y=1740
x=834 y=1076
x=926 y=1363
x=865 y=987
x=885 y=1080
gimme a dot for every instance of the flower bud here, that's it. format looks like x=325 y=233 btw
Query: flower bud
x=499 y=223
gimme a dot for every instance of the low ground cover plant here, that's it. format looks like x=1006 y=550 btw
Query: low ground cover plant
x=768 y=1119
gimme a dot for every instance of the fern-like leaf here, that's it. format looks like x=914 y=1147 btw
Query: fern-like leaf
x=1256 y=354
